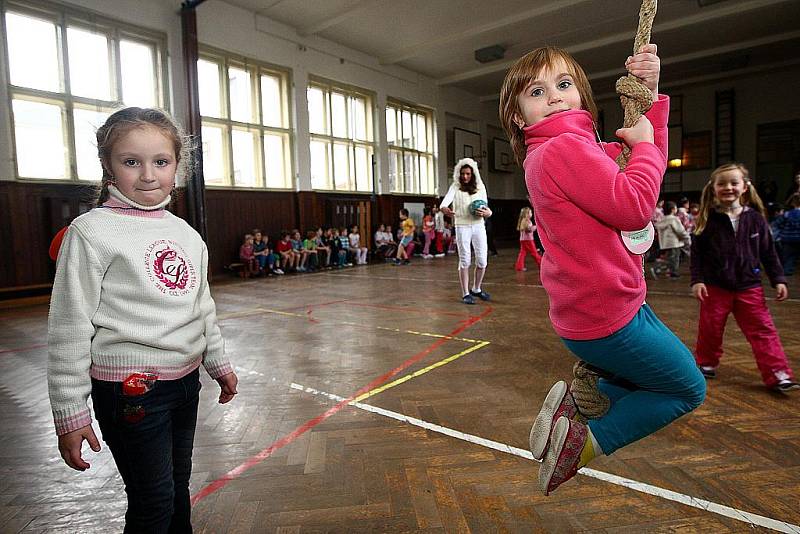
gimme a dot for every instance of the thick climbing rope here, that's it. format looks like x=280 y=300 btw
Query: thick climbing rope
x=636 y=99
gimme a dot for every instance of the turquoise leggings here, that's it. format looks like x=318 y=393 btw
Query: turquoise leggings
x=655 y=379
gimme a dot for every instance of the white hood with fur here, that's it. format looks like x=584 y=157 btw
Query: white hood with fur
x=461 y=199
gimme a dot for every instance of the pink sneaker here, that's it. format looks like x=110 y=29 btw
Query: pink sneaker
x=558 y=402
x=561 y=462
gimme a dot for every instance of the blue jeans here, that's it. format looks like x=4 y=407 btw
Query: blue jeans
x=655 y=379
x=153 y=454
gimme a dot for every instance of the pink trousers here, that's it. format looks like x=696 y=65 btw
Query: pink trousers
x=527 y=246
x=752 y=315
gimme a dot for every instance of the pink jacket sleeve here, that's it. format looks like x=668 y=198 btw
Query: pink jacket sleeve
x=658 y=115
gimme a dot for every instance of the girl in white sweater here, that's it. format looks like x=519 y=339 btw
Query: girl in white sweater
x=466 y=188
x=131 y=320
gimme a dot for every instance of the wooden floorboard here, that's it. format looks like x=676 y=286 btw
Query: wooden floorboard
x=356 y=471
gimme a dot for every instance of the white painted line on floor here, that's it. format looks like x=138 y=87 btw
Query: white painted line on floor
x=702 y=504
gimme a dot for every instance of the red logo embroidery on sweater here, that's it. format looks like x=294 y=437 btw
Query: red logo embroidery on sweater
x=169 y=268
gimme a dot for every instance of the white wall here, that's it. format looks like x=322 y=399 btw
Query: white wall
x=236 y=30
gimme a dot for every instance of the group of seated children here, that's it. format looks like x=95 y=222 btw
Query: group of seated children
x=435 y=231
x=321 y=249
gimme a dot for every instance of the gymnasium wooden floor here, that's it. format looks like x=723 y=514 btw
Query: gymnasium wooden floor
x=437 y=440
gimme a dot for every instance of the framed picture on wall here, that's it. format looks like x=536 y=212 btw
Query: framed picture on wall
x=466 y=144
x=502 y=157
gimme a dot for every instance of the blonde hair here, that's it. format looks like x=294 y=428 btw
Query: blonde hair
x=708 y=200
x=123 y=121
x=524 y=214
x=520 y=76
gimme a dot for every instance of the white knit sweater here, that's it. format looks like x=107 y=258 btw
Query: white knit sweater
x=461 y=200
x=130 y=295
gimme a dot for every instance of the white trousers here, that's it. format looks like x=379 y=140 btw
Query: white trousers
x=474 y=235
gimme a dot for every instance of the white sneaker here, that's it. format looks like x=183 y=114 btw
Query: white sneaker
x=278 y=271
x=439 y=255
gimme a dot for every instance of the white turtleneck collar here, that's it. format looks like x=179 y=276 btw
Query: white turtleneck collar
x=117 y=195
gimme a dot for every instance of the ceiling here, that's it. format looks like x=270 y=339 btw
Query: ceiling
x=438 y=38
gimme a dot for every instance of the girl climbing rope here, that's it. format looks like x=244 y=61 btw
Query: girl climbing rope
x=592 y=218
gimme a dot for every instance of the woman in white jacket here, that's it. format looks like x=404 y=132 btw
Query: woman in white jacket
x=467 y=187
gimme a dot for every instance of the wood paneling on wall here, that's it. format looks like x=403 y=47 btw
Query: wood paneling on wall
x=31 y=214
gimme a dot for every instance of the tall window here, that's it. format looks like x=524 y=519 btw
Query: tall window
x=68 y=72
x=246 y=132
x=340 y=124
x=409 y=134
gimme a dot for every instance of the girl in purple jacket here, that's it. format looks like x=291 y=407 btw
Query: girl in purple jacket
x=732 y=242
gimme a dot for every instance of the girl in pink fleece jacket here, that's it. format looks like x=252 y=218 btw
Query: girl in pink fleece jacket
x=582 y=203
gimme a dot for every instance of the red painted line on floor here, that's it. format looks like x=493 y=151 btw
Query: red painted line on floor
x=234 y=473
x=405 y=308
x=304 y=306
x=23 y=349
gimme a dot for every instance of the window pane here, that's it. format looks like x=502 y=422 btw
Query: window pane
x=422 y=133
x=410 y=166
x=341 y=167
x=320 y=175
x=244 y=156
x=339 y=115
x=275 y=161
x=33 y=52
x=391 y=126
x=87 y=121
x=271 y=102
x=88 y=64
x=240 y=95
x=425 y=175
x=363 y=168
x=209 y=88
x=137 y=61
x=316 y=110
x=213 y=155
x=39 y=136
x=359 y=106
x=407 y=129
x=395 y=168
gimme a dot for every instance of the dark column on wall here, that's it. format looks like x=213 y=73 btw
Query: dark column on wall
x=195 y=184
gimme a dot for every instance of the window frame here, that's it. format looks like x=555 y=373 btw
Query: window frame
x=328 y=87
x=64 y=17
x=397 y=147
x=256 y=69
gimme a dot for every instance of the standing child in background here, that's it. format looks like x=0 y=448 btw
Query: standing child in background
x=595 y=284
x=788 y=226
x=121 y=267
x=406 y=230
x=467 y=187
x=248 y=257
x=732 y=242
x=671 y=238
x=438 y=228
x=359 y=252
x=429 y=231
x=526 y=245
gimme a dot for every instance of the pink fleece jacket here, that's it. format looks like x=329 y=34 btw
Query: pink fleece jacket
x=581 y=202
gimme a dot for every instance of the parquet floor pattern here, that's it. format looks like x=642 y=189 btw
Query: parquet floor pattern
x=355 y=471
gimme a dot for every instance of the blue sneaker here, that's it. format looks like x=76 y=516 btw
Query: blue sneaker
x=468 y=299
x=483 y=295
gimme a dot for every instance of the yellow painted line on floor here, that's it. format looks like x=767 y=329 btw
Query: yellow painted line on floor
x=257 y=311
x=420 y=372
